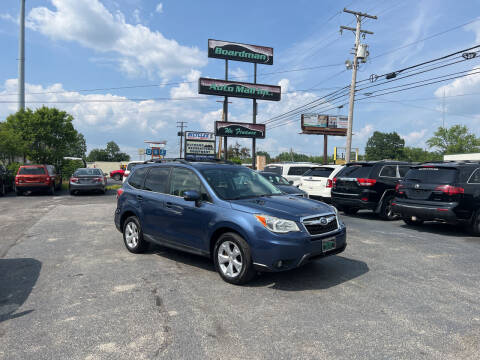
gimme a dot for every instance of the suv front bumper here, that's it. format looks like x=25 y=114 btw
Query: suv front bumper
x=295 y=252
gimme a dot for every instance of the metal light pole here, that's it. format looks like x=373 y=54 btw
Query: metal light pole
x=21 y=58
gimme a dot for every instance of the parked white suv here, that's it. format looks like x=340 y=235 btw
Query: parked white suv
x=318 y=181
x=292 y=171
x=129 y=168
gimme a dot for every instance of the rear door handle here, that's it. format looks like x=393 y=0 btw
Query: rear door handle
x=139 y=197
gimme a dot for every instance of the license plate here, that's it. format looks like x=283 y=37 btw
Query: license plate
x=328 y=244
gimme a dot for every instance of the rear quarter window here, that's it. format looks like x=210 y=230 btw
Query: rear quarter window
x=137 y=178
x=389 y=171
x=319 y=172
x=432 y=175
x=475 y=178
x=298 y=170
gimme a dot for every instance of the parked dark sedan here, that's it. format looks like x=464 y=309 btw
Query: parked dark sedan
x=87 y=180
x=283 y=184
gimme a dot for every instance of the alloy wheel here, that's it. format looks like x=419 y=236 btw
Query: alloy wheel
x=131 y=234
x=230 y=259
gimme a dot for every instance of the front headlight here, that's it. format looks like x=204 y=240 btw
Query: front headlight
x=277 y=225
x=335 y=210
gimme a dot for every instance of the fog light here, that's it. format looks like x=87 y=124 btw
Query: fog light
x=279 y=264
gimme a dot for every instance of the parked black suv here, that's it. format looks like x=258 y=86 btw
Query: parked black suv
x=441 y=191
x=6 y=180
x=368 y=185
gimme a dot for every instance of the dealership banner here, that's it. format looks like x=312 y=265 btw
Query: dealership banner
x=199 y=145
x=239 y=89
x=240 y=52
x=242 y=130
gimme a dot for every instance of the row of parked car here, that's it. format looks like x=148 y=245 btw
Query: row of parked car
x=438 y=191
x=45 y=178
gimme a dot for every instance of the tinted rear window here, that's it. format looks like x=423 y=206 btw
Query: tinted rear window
x=356 y=171
x=274 y=169
x=136 y=180
x=32 y=171
x=88 y=172
x=298 y=170
x=132 y=165
x=319 y=172
x=432 y=175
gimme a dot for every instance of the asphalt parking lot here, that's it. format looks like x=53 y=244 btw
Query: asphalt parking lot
x=70 y=290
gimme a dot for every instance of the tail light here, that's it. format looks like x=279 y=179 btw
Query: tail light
x=450 y=190
x=334 y=182
x=74 y=180
x=398 y=187
x=119 y=192
x=99 y=179
x=366 y=182
x=329 y=183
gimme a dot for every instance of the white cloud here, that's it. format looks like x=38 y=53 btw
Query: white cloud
x=140 y=51
x=136 y=16
x=364 y=133
x=415 y=137
x=239 y=74
x=188 y=88
x=8 y=17
x=159 y=8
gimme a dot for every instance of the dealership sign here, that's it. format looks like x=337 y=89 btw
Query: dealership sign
x=243 y=130
x=239 y=89
x=240 y=52
x=199 y=145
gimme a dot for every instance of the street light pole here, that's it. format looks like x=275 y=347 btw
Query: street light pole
x=21 y=58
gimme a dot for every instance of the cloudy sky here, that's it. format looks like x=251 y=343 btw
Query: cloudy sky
x=127 y=70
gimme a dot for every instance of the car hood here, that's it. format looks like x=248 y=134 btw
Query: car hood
x=283 y=206
x=290 y=189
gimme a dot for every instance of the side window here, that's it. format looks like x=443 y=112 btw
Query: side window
x=402 y=170
x=182 y=180
x=157 y=179
x=136 y=180
x=475 y=178
x=298 y=170
x=274 y=169
x=389 y=171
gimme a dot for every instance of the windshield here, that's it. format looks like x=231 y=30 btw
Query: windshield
x=432 y=175
x=88 y=172
x=32 y=171
x=319 y=172
x=275 y=179
x=238 y=183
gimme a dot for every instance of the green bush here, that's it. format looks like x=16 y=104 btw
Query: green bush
x=13 y=167
x=69 y=167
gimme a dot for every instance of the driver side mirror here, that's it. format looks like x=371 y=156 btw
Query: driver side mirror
x=290 y=182
x=192 y=195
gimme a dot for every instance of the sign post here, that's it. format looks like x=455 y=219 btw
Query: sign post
x=239 y=52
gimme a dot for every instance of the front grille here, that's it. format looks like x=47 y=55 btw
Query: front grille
x=314 y=226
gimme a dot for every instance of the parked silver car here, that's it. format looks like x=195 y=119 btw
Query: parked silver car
x=87 y=180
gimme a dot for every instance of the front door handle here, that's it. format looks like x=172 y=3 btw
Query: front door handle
x=139 y=197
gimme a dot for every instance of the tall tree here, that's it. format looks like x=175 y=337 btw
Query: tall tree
x=454 y=140
x=46 y=134
x=110 y=153
x=384 y=146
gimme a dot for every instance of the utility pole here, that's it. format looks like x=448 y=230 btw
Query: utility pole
x=357 y=30
x=254 y=141
x=181 y=125
x=21 y=58
x=225 y=114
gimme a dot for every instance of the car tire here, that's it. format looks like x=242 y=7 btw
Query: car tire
x=386 y=210
x=133 y=236
x=475 y=225
x=72 y=192
x=233 y=259
x=411 y=222
x=117 y=177
x=350 y=211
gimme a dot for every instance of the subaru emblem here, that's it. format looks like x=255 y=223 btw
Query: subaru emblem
x=417 y=186
x=323 y=221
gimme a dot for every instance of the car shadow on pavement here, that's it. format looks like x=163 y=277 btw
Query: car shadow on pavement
x=320 y=274
x=439 y=228
x=17 y=279
x=366 y=215
x=181 y=257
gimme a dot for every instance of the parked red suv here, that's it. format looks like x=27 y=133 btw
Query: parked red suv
x=37 y=178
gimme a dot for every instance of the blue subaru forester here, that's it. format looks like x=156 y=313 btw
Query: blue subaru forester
x=226 y=212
